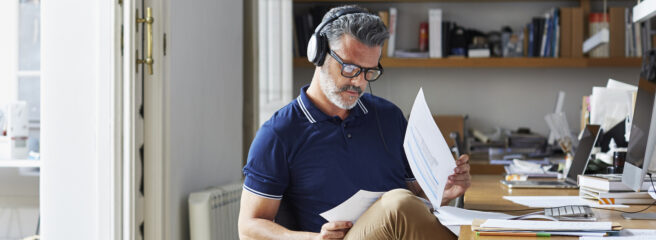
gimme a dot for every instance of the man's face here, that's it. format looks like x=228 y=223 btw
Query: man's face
x=344 y=92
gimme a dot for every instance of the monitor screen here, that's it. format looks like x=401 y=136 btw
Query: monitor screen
x=638 y=154
x=586 y=143
x=640 y=124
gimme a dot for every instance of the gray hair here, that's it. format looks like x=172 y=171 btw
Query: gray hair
x=366 y=28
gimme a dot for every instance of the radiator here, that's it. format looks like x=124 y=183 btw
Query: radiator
x=213 y=213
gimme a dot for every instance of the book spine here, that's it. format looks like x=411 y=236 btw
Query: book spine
x=392 y=31
x=638 y=38
x=577 y=32
x=545 y=33
x=556 y=49
x=525 y=41
x=613 y=201
x=531 y=39
x=566 y=32
x=435 y=33
x=617 y=46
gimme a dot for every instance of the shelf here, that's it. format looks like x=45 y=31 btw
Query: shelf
x=19 y=163
x=402 y=1
x=498 y=62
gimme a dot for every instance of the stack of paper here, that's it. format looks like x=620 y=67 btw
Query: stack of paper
x=543 y=228
x=554 y=201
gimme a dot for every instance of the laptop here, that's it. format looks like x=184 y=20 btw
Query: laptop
x=579 y=164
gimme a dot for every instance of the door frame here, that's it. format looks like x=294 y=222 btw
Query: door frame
x=109 y=120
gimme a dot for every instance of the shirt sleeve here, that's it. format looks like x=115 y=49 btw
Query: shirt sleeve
x=409 y=176
x=266 y=171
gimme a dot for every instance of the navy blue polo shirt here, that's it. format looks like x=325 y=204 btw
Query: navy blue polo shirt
x=314 y=162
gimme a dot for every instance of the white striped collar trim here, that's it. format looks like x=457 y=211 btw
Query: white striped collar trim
x=264 y=195
x=304 y=109
x=364 y=109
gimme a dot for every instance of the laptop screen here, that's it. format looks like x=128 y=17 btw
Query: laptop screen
x=580 y=161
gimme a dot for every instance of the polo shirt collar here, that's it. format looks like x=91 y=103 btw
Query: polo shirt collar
x=313 y=114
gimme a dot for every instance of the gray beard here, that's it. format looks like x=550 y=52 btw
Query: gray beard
x=331 y=91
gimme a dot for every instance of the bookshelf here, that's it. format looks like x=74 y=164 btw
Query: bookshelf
x=497 y=62
x=493 y=62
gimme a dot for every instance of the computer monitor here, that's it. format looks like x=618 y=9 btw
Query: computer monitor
x=640 y=153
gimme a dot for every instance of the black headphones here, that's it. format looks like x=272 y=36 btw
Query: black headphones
x=318 y=45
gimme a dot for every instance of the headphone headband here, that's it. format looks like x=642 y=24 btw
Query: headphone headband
x=318 y=45
x=336 y=16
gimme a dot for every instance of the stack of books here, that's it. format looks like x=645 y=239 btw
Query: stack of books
x=608 y=189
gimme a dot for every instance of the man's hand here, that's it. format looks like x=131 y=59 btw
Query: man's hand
x=459 y=181
x=334 y=230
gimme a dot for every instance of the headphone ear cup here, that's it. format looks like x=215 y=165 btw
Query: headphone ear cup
x=322 y=50
x=312 y=49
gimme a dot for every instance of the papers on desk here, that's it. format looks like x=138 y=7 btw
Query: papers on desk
x=543 y=228
x=628 y=234
x=352 y=208
x=457 y=216
x=545 y=225
x=428 y=154
x=553 y=201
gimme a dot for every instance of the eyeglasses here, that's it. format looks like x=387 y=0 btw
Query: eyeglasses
x=352 y=70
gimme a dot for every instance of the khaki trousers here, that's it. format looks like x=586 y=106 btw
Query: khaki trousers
x=398 y=214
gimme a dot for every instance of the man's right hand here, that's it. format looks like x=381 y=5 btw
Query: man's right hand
x=334 y=230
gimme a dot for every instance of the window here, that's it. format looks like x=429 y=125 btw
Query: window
x=20 y=80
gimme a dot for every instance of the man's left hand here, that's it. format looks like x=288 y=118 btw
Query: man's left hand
x=459 y=181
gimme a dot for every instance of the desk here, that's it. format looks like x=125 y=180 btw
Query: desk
x=487 y=192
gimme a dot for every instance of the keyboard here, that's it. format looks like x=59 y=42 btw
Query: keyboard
x=571 y=211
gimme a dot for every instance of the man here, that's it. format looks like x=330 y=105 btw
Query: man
x=334 y=140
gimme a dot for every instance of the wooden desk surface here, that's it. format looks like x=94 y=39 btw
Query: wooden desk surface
x=487 y=192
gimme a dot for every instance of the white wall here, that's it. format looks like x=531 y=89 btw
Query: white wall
x=205 y=102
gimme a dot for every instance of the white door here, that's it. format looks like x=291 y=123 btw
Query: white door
x=143 y=160
x=186 y=115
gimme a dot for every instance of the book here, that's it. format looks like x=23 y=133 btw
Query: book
x=525 y=39
x=384 y=16
x=545 y=48
x=531 y=39
x=566 y=32
x=617 y=32
x=611 y=198
x=544 y=28
x=556 y=37
x=393 y=14
x=577 y=32
x=435 y=32
x=447 y=28
x=608 y=182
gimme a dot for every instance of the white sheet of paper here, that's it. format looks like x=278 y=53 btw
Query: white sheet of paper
x=428 y=154
x=553 y=201
x=547 y=225
x=612 y=83
x=628 y=234
x=352 y=208
x=450 y=216
x=609 y=106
